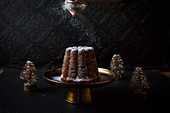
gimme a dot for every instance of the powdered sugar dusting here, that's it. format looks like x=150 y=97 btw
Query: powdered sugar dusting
x=74 y=48
x=77 y=79
x=57 y=78
x=79 y=48
x=69 y=48
x=82 y=79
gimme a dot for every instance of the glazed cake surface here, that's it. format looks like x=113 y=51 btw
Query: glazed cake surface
x=79 y=65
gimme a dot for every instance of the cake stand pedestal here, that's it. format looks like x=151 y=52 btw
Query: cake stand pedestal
x=79 y=93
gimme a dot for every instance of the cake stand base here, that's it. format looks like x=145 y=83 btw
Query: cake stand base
x=79 y=95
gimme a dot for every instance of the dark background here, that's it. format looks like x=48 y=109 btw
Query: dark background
x=40 y=30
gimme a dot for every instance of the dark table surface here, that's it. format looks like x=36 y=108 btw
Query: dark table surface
x=113 y=98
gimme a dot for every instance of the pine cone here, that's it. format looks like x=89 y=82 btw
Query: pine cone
x=29 y=73
x=139 y=81
x=117 y=65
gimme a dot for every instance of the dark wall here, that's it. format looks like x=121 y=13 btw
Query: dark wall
x=40 y=30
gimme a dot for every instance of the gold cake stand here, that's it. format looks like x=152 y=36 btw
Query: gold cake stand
x=79 y=92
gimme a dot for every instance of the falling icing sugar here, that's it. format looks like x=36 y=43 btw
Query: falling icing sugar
x=80 y=23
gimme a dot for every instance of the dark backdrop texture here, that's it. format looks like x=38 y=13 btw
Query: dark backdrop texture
x=40 y=30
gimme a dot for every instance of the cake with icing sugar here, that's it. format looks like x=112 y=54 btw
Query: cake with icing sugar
x=79 y=65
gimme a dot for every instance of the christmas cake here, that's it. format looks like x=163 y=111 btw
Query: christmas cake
x=79 y=65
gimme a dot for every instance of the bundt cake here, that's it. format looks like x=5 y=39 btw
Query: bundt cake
x=79 y=65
